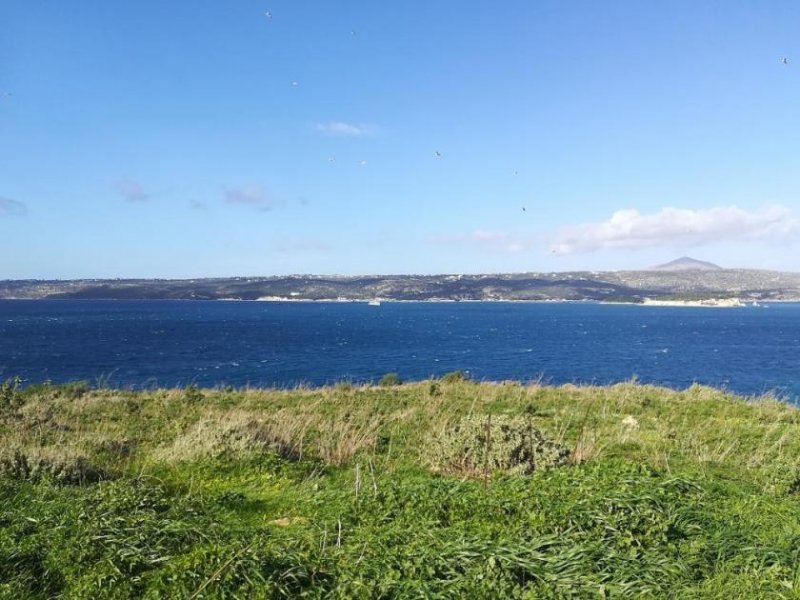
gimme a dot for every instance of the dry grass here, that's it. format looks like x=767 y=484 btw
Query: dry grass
x=337 y=424
x=62 y=464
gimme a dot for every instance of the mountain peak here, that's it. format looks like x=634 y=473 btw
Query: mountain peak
x=686 y=263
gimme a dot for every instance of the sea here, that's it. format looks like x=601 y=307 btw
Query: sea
x=139 y=344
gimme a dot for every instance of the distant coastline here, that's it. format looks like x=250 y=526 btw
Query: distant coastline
x=669 y=288
x=709 y=303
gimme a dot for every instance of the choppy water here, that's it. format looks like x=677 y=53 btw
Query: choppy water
x=145 y=343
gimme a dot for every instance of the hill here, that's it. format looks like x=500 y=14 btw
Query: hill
x=687 y=263
x=630 y=286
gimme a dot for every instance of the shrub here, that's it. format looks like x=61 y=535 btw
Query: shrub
x=10 y=395
x=343 y=386
x=483 y=443
x=117 y=448
x=72 y=390
x=390 y=379
x=75 y=389
x=193 y=394
x=238 y=435
x=62 y=465
x=455 y=377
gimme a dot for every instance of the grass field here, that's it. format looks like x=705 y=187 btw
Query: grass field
x=437 y=489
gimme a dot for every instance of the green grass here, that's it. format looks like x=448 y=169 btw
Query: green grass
x=345 y=492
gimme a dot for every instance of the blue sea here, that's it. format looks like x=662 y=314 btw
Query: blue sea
x=149 y=343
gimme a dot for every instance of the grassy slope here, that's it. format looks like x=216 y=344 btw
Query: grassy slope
x=330 y=493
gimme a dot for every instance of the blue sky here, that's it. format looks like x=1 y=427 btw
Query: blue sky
x=190 y=139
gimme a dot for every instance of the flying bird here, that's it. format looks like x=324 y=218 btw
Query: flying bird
x=331 y=159
x=516 y=172
x=523 y=209
x=437 y=154
x=268 y=14
x=352 y=32
x=785 y=60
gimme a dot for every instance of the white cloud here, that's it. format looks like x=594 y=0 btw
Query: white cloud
x=130 y=190
x=249 y=196
x=496 y=241
x=630 y=229
x=12 y=207
x=341 y=128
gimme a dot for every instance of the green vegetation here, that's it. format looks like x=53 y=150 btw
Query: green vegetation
x=439 y=489
x=455 y=377
x=390 y=379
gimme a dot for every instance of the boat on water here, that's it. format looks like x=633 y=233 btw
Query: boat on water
x=374 y=302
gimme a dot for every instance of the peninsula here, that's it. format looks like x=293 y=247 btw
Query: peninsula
x=683 y=280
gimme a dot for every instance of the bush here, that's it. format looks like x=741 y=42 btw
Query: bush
x=484 y=443
x=72 y=390
x=390 y=379
x=455 y=377
x=63 y=466
x=193 y=394
x=343 y=386
x=237 y=436
x=117 y=448
x=10 y=395
x=75 y=389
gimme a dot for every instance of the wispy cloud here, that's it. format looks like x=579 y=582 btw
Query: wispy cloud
x=130 y=190
x=12 y=207
x=343 y=129
x=253 y=195
x=630 y=229
x=302 y=246
x=496 y=241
